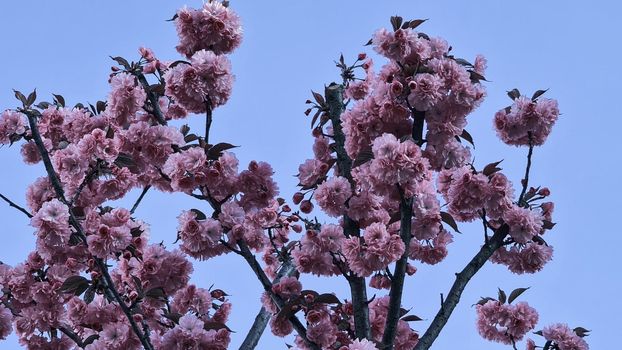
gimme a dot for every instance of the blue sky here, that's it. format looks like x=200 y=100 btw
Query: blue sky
x=570 y=47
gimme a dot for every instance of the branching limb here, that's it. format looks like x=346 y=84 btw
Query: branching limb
x=153 y=98
x=358 y=288
x=267 y=285
x=399 y=274
x=140 y=198
x=462 y=279
x=263 y=316
x=525 y=181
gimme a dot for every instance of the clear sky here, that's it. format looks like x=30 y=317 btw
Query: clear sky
x=570 y=47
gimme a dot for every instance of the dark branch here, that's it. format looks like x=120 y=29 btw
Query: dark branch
x=208 y=117
x=462 y=279
x=527 y=169
x=153 y=98
x=358 y=288
x=72 y=335
x=140 y=198
x=263 y=316
x=267 y=286
x=12 y=204
x=399 y=274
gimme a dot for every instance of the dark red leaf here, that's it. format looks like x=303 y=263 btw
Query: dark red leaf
x=449 y=220
x=515 y=294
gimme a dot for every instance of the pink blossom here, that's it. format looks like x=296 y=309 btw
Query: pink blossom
x=12 y=124
x=524 y=223
x=200 y=239
x=425 y=91
x=332 y=195
x=214 y=27
x=527 y=258
x=375 y=251
x=5 y=322
x=208 y=80
x=257 y=186
x=505 y=323
x=565 y=339
x=467 y=194
x=431 y=252
x=311 y=171
x=526 y=121
x=125 y=99
x=362 y=344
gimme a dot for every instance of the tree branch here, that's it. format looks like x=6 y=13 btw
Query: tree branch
x=153 y=98
x=60 y=193
x=358 y=288
x=399 y=274
x=208 y=117
x=263 y=316
x=73 y=336
x=140 y=198
x=525 y=181
x=267 y=286
x=462 y=279
x=12 y=204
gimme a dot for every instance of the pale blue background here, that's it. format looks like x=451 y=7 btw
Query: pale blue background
x=571 y=47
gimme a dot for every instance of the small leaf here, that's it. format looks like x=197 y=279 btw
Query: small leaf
x=327 y=298
x=59 y=100
x=100 y=106
x=91 y=338
x=184 y=129
x=476 y=77
x=502 y=296
x=122 y=61
x=173 y=18
x=581 y=332
x=514 y=94
x=199 y=214
x=363 y=157
x=20 y=96
x=89 y=294
x=191 y=137
x=396 y=22
x=156 y=293
x=124 y=161
x=449 y=220
x=178 y=62
x=319 y=98
x=516 y=293
x=371 y=41
x=42 y=105
x=547 y=225
x=216 y=151
x=416 y=23
x=410 y=318
x=213 y=325
x=483 y=301
x=538 y=94
x=465 y=135
x=538 y=333
x=395 y=217
x=74 y=284
x=31 y=98
x=491 y=168
x=173 y=316
x=463 y=62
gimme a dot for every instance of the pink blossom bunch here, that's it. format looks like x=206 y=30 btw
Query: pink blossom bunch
x=315 y=252
x=215 y=27
x=406 y=338
x=527 y=258
x=125 y=99
x=563 y=337
x=505 y=323
x=332 y=195
x=11 y=124
x=374 y=251
x=526 y=122
x=204 y=83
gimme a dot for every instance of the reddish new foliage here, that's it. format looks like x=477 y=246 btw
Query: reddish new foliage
x=386 y=167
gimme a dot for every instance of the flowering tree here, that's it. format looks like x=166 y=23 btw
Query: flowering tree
x=392 y=165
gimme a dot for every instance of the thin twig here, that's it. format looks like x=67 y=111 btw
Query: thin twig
x=153 y=98
x=12 y=204
x=208 y=117
x=140 y=198
x=462 y=279
x=527 y=169
x=86 y=181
